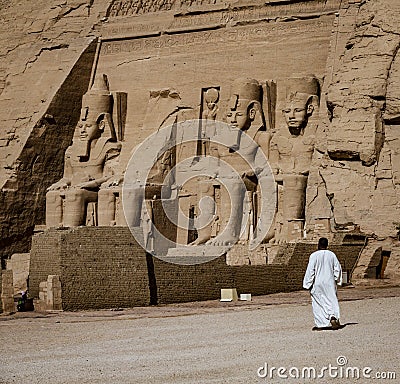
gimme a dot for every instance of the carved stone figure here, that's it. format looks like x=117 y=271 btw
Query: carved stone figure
x=209 y=113
x=89 y=162
x=244 y=115
x=290 y=156
x=211 y=97
x=162 y=110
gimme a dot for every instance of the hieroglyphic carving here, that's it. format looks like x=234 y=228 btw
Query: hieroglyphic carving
x=191 y=3
x=138 y=7
x=223 y=36
x=237 y=14
x=219 y=16
x=137 y=29
x=244 y=14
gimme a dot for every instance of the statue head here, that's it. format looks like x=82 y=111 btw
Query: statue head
x=302 y=95
x=95 y=120
x=244 y=103
x=89 y=129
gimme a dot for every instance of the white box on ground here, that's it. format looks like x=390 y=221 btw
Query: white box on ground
x=245 y=296
x=229 y=294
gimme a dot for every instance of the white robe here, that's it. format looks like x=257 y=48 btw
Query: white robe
x=322 y=275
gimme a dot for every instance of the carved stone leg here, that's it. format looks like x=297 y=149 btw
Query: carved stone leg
x=206 y=213
x=75 y=206
x=133 y=200
x=54 y=211
x=294 y=198
x=248 y=210
x=237 y=202
x=106 y=207
x=231 y=232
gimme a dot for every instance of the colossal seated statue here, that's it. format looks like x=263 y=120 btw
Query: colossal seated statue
x=244 y=115
x=89 y=162
x=291 y=153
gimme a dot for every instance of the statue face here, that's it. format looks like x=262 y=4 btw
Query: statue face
x=239 y=117
x=210 y=105
x=296 y=115
x=88 y=130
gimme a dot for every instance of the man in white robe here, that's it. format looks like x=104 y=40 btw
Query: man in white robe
x=323 y=274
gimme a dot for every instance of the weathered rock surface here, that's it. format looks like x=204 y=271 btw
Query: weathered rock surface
x=48 y=54
x=355 y=175
x=48 y=50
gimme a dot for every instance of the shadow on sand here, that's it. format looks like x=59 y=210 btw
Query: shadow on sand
x=332 y=329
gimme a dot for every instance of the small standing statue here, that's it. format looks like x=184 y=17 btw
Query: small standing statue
x=209 y=116
x=89 y=162
x=291 y=154
x=211 y=97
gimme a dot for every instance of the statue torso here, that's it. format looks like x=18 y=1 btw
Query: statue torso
x=295 y=153
x=92 y=167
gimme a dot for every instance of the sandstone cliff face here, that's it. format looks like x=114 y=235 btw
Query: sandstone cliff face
x=47 y=51
x=41 y=41
x=355 y=175
x=46 y=55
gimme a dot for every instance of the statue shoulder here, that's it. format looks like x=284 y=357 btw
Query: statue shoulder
x=106 y=148
x=68 y=152
x=113 y=145
x=112 y=149
x=280 y=142
x=309 y=140
x=263 y=140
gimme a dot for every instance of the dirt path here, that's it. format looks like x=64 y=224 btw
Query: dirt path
x=207 y=342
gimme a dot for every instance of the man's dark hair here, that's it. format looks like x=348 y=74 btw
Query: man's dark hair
x=323 y=243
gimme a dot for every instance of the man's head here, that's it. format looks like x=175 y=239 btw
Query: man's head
x=302 y=94
x=244 y=103
x=323 y=243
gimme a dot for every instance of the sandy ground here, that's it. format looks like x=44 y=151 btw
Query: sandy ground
x=206 y=342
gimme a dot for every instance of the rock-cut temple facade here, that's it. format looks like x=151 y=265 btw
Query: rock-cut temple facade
x=159 y=151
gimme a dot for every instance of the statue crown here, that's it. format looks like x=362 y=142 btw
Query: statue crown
x=97 y=99
x=247 y=89
x=307 y=85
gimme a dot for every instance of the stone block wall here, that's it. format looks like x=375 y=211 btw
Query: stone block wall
x=49 y=294
x=99 y=267
x=7 y=292
x=45 y=258
x=182 y=283
x=19 y=264
x=103 y=267
x=348 y=255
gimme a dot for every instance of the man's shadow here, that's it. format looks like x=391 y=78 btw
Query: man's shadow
x=332 y=329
